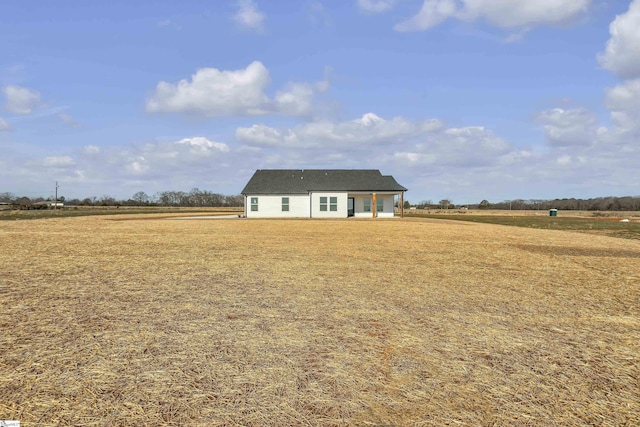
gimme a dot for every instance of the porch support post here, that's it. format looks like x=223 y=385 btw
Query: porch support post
x=402 y=205
x=374 y=206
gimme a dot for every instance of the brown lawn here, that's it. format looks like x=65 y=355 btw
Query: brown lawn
x=130 y=321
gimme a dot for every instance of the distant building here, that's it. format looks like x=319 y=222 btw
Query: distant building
x=320 y=193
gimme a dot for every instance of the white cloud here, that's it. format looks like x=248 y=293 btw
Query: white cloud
x=202 y=145
x=568 y=127
x=375 y=140
x=214 y=93
x=297 y=98
x=21 y=100
x=248 y=16
x=68 y=120
x=624 y=97
x=178 y=164
x=589 y=156
x=414 y=158
x=365 y=131
x=91 y=149
x=137 y=167
x=58 y=161
x=4 y=125
x=624 y=103
x=512 y=14
x=257 y=135
x=432 y=13
x=508 y=14
x=193 y=157
x=622 y=55
x=376 y=6
x=567 y=160
x=469 y=146
x=157 y=158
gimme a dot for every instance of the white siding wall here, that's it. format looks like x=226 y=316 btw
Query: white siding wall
x=387 y=211
x=359 y=206
x=342 y=205
x=387 y=207
x=271 y=206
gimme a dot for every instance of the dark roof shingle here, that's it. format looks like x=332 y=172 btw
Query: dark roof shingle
x=302 y=181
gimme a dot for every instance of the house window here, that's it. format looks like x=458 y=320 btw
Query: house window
x=254 y=204
x=285 y=204
x=367 y=205
x=323 y=204
x=333 y=204
x=379 y=205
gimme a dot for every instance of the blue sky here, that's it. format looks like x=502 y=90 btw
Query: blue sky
x=459 y=99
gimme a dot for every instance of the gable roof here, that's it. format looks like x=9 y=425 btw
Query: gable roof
x=303 y=181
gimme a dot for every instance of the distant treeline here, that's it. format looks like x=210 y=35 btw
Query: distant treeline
x=203 y=198
x=193 y=198
x=628 y=203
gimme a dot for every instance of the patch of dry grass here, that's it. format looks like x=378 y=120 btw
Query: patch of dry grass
x=303 y=322
x=9 y=213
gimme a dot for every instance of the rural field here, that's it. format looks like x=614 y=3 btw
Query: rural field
x=147 y=320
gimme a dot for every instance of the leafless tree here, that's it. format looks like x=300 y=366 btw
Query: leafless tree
x=445 y=203
x=141 y=197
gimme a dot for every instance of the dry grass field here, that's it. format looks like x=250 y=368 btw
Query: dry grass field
x=141 y=320
x=634 y=215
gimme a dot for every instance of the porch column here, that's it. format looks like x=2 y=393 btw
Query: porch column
x=402 y=205
x=374 y=205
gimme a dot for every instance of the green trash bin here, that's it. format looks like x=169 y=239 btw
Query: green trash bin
x=553 y=212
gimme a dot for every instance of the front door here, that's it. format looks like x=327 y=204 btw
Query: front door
x=351 y=203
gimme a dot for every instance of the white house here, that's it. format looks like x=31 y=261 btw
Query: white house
x=320 y=193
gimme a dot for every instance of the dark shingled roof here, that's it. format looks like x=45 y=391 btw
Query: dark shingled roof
x=302 y=181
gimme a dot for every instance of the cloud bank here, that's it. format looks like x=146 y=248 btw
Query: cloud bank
x=249 y=17
x=214 y=93
x=21 y=100
x=507 y=14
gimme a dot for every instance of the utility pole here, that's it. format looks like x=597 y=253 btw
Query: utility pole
x=55 y=202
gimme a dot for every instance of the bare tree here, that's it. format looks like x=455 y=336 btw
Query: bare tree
x=445 y=203
x=107 y=200
x=484 y=204
x=141 y=198
x=235 y=201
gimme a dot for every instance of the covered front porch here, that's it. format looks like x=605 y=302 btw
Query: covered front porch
x=374 y=205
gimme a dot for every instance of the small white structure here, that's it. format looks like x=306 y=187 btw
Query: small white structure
x=321 y=193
